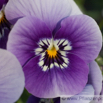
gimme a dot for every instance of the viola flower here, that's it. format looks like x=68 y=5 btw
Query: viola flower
x=53 y=47
x=93 y=87
x=4 y=25
x=55 y=65
x=11 y=78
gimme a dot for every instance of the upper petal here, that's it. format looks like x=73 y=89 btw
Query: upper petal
x=83 y=34
x=11 y=78
x=50 y=11
x=95 y=77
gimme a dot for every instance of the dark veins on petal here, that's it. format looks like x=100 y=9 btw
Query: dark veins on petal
x=52 y=55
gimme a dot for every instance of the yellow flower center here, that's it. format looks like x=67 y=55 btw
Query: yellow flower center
x=52 y=52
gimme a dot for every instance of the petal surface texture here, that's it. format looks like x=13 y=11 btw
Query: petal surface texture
x=84 y=36
x=88 y=92
x=95 y=77
x=11 y=78
x=23 y=40
x=56 y=82
x=50 y=11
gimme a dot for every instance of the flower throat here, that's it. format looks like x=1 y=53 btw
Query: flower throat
x=53 y=53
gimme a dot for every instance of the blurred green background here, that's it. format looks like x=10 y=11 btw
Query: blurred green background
x=93 y=8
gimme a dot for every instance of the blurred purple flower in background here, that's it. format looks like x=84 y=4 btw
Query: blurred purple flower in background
x=11 y=78
x=4 y=25
x=54 y=63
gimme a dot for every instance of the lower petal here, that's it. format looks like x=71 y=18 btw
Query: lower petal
x=56 y=82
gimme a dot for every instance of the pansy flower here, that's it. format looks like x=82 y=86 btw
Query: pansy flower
x=53 y=47
x=4 y=25
x=11 y=78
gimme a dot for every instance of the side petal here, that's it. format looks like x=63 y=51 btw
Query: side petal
x=83 y=34
x=95 y=77
x=11 y=78
x=49 y=11
x=24 y=37
x=88 y=92
x=56 y=82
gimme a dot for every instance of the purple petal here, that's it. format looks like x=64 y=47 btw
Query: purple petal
x=33 y=99
x=50 y=11
x=24 y=37
x=88 y=92
x=56 y=82
x=95 y=77
x=83 y=34
x=11 y=78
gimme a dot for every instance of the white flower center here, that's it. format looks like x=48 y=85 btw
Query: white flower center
x=53 y=53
